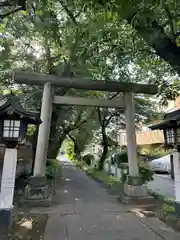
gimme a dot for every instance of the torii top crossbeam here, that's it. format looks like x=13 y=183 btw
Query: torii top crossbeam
x=86 y=84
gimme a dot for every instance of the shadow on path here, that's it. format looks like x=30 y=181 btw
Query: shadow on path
x=83 y=210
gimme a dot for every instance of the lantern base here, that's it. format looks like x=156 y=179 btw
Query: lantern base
x=6 y=220
x=38 y=192
x=135 y=193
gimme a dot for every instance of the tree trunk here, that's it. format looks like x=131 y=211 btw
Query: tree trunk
x=55 y=145
x=105 y=148
x=162 y=44
x=154 y=35
x=77 y=151
x=56 y=138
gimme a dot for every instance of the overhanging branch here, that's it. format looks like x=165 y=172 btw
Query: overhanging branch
x=70 y=14
x=2 y=16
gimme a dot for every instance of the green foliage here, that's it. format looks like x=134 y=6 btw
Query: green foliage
x=70 y=150
x=31 y=130
x=119 y=158
x=53 y=169
x=124 y=171
x=165 y=199
x=145 y=172
x=81 y=164
x=167 y=209
x=88 y=158
x=153 y=151
x=83 y=40
x=103 y=177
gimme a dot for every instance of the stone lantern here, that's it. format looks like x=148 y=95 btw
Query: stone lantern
x=171 y=129
x=14 y=120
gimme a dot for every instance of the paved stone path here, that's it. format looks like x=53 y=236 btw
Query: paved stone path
x=163 y=184
x=83 y=210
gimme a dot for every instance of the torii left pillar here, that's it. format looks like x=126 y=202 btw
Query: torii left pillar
x=38 y=191
x=44 y=131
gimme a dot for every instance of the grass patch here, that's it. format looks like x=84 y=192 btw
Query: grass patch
x=165 y=210
x=162 y=198
x=27 y=227
x=110 y=182
x=102 y=176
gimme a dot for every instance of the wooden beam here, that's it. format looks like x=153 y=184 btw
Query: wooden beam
x=88 y=84
x=93 y=102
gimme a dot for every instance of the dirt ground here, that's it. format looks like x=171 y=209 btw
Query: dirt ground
x=26 y=227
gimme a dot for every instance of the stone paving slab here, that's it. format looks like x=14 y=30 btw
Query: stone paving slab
x=83 y=210
x=109 y=226
x=161 y=229
x=162 y=184
x=56 y=228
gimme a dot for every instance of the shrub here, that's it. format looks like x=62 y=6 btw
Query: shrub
x=53 y=169
x=88 y=158
x=153 y=151
x=145 y=172
x=119 y=158
x=167 y=209
x=70 y=150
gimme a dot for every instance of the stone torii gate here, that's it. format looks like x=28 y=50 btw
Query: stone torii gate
x=133 y=188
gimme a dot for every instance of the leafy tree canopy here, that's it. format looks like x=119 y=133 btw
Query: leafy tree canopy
x=128 y=41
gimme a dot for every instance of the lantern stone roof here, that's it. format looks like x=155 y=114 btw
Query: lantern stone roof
x=170 y=119
x=10 y=102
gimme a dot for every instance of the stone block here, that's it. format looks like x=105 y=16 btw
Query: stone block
x=45 y=202
x=136 y=194
x=38 y=192
x=135 y=191
x=134 y=180
x=143 y=201
x=37 y=181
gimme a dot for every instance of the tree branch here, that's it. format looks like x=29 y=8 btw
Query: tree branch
x=70 y=14
x=71 y=137
x=177 y=34
x=99 y=116
x=2 y=16
x=170 y=17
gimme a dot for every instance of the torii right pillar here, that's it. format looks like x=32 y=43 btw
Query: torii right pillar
x=134 y=191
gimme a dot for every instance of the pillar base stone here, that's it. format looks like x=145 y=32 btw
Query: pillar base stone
x=38 y=192
x=135 y=193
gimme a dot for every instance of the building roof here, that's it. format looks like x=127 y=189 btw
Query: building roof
x=170 y=119
x=145 y=137
x=150 y=137
x=10 y=101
